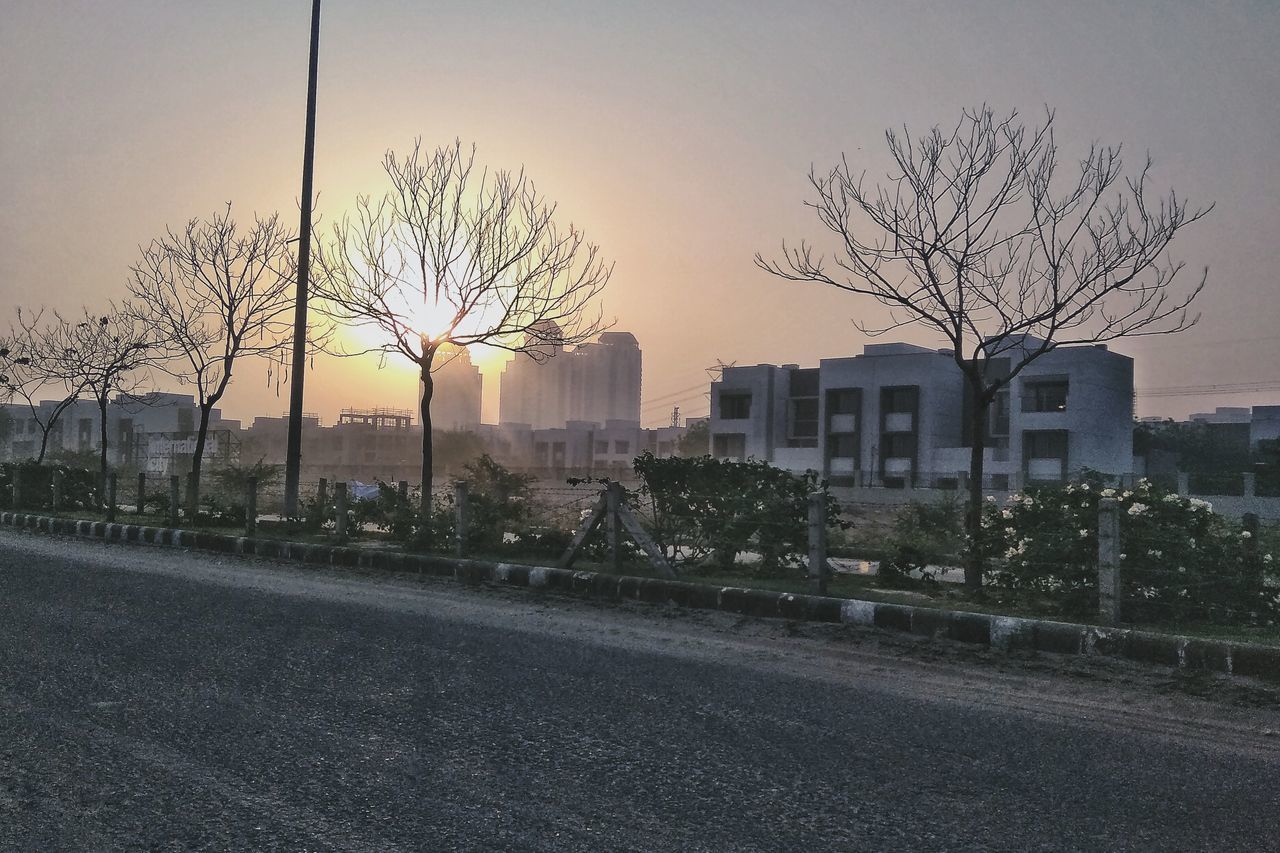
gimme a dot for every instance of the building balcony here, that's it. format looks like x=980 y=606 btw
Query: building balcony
x=843 y=423
x=899 y=422
x=843 y=466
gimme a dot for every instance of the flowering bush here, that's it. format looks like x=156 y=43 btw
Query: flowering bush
x=1178 y=558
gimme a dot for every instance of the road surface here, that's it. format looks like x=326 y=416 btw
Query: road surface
x=160 y=699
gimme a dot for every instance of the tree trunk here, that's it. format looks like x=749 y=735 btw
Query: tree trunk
x=44 y=444
x=193 y=484
x=428 y=389
x=975 y=559
x=102 y=453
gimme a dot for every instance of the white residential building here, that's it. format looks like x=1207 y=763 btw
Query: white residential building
x=898 y=415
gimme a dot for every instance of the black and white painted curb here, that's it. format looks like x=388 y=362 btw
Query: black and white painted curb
x=1000 y=632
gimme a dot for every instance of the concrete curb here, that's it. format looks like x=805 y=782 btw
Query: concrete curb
x=1006 y=633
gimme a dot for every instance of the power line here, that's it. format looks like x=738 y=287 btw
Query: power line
x=1208 y=390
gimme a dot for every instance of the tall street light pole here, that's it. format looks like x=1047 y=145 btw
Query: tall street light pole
x=293 y=455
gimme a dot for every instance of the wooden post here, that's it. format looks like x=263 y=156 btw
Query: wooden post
x=340 y=511
x=175 y=489
x=818 y=543
x=142 y=492
x=1109 y=561
x=57 y=489
x=460 y=518
x=251 y=507
x=613 y=496
x=112 y=482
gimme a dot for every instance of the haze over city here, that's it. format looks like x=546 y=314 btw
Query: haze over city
x=679 y=142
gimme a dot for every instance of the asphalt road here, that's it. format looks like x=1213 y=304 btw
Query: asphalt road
x=158 y=699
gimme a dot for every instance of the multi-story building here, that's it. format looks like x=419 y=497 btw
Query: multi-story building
x=365 y=445
x=154 y=432
x=898 y=414
x=596 y=382
x=584 y=448
x=457 y=393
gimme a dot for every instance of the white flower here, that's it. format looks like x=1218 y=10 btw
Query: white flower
x=1244 y=534
x=1123 y=556
x=1196 y=504
x=991 y=498
x=1266 y=558
x=1006 y=513
x=1138 y=509
x=1126 y=496
x=1108 y=493
x=1144 y=483
x=1155 y=553
x=1182 y=569
x=1084 y=534
x=1191 y=542
x=1027 y=500
x=1148 y=591
x=1084 y=487
x=1009 y=531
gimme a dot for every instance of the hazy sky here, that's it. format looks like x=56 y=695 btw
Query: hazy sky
x=678 y=135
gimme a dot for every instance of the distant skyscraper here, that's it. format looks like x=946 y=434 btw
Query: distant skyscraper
x=597 y=382
x=455 y=402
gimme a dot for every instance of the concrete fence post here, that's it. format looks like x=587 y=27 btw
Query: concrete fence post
x=1250 y=484
x=57 y=489
x=251 y=506
x=1184 y=483
x=17 y=487
x=322 y=499
x=818 y=543
x=340 y=511
x=460 y=520
x=142 y=492
x=112 y=483
x=403 y=488
x=613 y=498
x=1109 y=594
x=175 y=499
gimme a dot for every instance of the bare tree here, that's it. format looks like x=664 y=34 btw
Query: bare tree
x=985 y=237
x=33 y=369
x=452 y=257
x=213 y=295
x=102 y=353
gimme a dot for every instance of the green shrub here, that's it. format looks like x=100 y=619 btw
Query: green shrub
x=1179 y=560
x=924 y=537
x=707 y=510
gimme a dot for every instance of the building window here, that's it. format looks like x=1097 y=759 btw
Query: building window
x=1000 y=414
x=804 y=422
x=602 y=447
x=729 y=446
x=622 y=447
x=895 y=401
x=843 y=445
x=898 y=445
x=735 y=407
x=843 y=401
x=1045 y=444
x=1045 y=396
